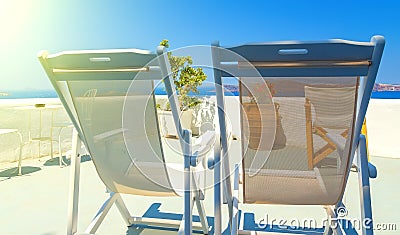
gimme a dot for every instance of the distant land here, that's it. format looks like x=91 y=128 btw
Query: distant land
x=27 y=94
x=386 y=87
x=377 y=87
x=231 y=88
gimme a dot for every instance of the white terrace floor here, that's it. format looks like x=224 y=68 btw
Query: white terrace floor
x=36 y=203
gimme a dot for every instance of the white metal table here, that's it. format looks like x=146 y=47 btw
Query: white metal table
x=40 y=138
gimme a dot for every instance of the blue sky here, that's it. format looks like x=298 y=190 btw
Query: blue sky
x=29 y=26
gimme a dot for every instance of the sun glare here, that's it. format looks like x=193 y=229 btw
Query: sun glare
x=14 y=17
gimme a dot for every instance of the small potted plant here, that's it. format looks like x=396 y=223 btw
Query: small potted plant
x=186 y=80
x=257 y=124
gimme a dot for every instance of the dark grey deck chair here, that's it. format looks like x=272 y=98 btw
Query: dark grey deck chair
x=109 y=97
x=324 y=85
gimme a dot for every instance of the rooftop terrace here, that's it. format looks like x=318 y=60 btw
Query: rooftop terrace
x=37 y=201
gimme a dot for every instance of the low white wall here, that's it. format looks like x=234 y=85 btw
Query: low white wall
x=383 y=127
x=382 y=117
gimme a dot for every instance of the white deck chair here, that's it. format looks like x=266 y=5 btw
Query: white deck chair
x=109 y=97
x=283 y=176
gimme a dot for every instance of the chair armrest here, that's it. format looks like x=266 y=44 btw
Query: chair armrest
x=205 y=140
x=107 y=134
x=205 y=143
x=372 y=171
x=338 y=140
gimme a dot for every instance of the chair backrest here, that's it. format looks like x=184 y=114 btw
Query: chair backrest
x=109 y=97
x=335 y=76
x=334 y=107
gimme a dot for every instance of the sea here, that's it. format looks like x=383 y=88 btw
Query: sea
x=203 y=91
x=385 y=95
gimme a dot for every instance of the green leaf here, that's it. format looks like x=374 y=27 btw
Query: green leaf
x=165 y=43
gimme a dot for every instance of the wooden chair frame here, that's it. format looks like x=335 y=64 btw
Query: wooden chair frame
x=315 y=157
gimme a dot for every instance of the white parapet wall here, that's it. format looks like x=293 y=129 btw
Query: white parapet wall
x=382 y=123
x=383 y=127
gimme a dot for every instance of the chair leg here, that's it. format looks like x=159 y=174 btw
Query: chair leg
x=188 y=198
x=101 y=214
x=202 y=215
x=217 y=198
x=216 y=165
x=227 y=196
x=20 y=153
x=190 y=185
x=333 y=224
x=235 y=215
x=365 y=195
x=123 y=210
x=309 y=135
x=74 y=185
x=200 y=206
x=51 y=143
x=40 y=143
x=61 y=161
x=115 y=198
x=328 y=228
x=59 y=149
x=183 y=229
